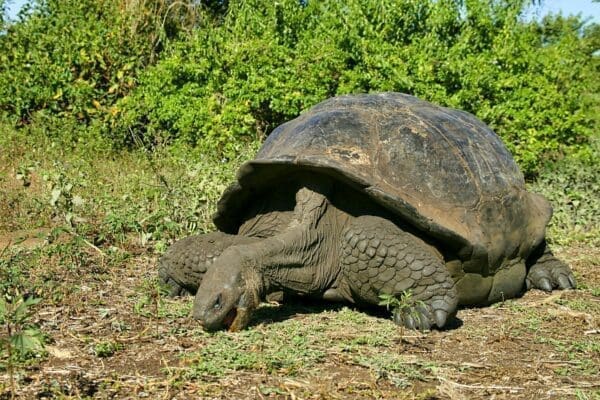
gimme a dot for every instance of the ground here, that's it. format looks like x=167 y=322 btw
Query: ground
x=111 y=333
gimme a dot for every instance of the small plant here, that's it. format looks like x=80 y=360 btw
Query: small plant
x=21 y=338
x=24 y=174
x=152 y=299
x=401 y=306
x=107 y=348
x=11 y=272
x=62 y=199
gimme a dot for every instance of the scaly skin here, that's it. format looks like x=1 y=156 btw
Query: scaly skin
x=183 y=266
x=322 y=251
x=295 y=261
x=373 y=257
x=379 y=258
x=548 y=272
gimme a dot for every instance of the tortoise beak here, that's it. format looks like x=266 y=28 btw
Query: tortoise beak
x=230 y=318
x=242 y=317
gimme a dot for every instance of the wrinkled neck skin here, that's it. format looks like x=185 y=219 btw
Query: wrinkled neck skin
x=300 y=260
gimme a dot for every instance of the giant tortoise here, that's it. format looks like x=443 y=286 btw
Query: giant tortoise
x=367 y=196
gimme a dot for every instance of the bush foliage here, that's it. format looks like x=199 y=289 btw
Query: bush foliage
x=219 y=74
x=76 y=58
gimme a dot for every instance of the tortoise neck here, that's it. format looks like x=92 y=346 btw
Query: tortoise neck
x=299 y=258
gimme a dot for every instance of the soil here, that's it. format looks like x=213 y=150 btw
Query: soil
x=541 y=346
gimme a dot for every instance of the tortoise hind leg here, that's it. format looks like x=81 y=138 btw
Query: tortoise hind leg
x=378 y=258
x=184 y=264
x=547 y=272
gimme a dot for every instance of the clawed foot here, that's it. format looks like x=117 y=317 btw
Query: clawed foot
x=423 y=316
x=184 y=264
x=173 y=288
x=549 y=274
x=420 y=318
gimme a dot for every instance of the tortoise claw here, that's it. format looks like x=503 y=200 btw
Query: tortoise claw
x=440 y=318
x=409 y=322
x=421 y=318
x=174 y=289
x=545 y=284
x=549 y=273
x=563 y=282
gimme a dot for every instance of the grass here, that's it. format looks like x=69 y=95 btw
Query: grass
x=83 y=226
x=289 y=350
x=582 y=355
x=573 y=188
x=147 y=198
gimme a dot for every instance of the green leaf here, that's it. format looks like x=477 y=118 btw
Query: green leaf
x=55 y=196
x=3 y=309
x=31 y=301
x=20 y=312
x=29 y=340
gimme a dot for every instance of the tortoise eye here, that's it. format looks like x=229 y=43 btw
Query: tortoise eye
x=218 y=302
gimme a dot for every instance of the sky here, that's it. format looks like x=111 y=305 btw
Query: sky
x=584 y=7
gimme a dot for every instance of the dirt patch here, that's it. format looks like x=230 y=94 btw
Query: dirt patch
x=28 y=239
x=113 y=336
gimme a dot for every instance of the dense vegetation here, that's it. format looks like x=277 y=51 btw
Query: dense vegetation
x=122 y=121
x=216 y=75
x=183 y=91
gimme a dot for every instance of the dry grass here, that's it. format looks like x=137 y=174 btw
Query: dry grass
x=110 y=336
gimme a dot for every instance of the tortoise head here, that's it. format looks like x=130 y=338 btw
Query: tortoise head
x=226 y=298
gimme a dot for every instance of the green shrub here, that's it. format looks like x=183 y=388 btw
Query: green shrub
x=573 y=187
x=239 y=77
x=72 y=59
x=220 y=74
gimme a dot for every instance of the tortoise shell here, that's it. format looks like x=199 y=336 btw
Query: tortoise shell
x=441 y=170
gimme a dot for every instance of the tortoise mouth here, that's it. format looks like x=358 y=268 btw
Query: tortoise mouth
x=230 y=318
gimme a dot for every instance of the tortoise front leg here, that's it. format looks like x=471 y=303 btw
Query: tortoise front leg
x=378 y=258
x=184 y=264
